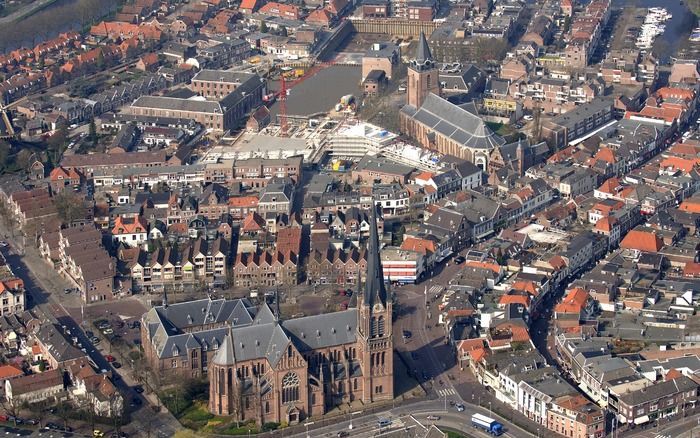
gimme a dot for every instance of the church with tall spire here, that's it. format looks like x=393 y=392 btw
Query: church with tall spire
x=264 y=368
x=439 y=124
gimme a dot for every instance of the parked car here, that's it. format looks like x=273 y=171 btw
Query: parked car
x=116 y=365
x=432 y=417
x=460 y=259
x=138 y=389
x=110 y=358
x=108 y=331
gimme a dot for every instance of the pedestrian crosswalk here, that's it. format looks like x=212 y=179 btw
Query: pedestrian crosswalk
x=434 y=290
x=446 y=392
x=663 y=436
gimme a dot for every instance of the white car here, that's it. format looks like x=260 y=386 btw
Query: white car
x=527 y=117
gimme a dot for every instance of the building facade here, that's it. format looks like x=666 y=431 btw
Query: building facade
x=264 y=369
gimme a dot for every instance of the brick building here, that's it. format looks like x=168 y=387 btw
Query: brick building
x=264 y=369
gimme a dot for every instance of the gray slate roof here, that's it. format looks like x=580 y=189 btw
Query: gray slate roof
x=454 y=122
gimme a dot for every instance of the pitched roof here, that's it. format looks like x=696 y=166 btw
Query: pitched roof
x=454 y=122
x=423 y=52
x=573 y=302
x=642 y=241
x=422 y=246
x=375 y=289
x=10 y=371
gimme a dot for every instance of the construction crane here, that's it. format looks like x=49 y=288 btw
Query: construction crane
x=286 y=87
x=283 y=107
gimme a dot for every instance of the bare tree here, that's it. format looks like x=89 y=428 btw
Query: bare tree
x=12 y=408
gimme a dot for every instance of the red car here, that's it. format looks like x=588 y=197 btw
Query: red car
x=110 y=358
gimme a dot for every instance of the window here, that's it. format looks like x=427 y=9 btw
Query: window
x=267 y=407
x=290 y=388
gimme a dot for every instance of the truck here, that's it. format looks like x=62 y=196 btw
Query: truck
x=488 y=424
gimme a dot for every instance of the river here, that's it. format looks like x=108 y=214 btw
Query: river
x=677 y=28
x=61 y=16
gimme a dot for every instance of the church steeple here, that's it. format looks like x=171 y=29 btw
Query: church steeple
x=424 y=59
x=375 y=289
x=423 y=76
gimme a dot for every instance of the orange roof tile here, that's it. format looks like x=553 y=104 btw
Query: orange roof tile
x=527 y=286
x=691 y=269
x=515 y=299
x=422 y=246
x=605 y=224
x=611 y=186
x=607 y=155
x=9 y=371
x=495 y=267
x=684 y=164
x=243 y=201
x=129 y=226
x=573 y=302
x=690 y=205
x=673 y=374
x=642 y=241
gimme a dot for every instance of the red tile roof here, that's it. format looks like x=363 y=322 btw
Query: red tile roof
x=573 y=302
x=642 y=241
x=129 y=226
x=422 y=246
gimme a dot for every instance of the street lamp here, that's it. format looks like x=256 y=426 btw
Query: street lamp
x=490 y=409
x=307 y=428
x=352 y=414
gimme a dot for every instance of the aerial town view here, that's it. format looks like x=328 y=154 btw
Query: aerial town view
x=350 y=218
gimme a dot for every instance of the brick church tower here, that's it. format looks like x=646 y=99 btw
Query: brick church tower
x=374 y=326
x=423 y=77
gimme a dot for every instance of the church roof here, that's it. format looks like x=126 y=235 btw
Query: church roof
x=454 y=122
x=423 y=52
x=225 y=354
x=375 y=290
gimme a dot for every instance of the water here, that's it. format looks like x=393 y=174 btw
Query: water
x=677 y=28
x=319 y=93
x=61 y=16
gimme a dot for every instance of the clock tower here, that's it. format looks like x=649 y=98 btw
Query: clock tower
x=374 y=325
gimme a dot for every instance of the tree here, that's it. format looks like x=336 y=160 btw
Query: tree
x=93 y=132
x=63 y=411
x=5 y=149
x=22 y=159
x=12 y=408
x=263 y=27
x=69 y=205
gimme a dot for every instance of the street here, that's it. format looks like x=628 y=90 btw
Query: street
x=367 y=426
x=47 y=307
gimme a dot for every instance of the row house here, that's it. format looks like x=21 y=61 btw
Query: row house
x=352 y=223
x=240 y=207
x=33 y=205
x=655 y=401
x=255 y=173
x=113 y=98
x=85 y=262
x=266 y=269
x=198 y=261
x=336 y=266
x=17 y=86
x=171 y=175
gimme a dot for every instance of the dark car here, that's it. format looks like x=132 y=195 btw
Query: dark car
x=138 y=389
x=407 y=334
x=137 y=401
x=116 y=365
x=459 y=260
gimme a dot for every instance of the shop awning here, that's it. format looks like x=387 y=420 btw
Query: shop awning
x=641 y=420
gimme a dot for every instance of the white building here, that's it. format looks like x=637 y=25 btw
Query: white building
x=401 y=265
